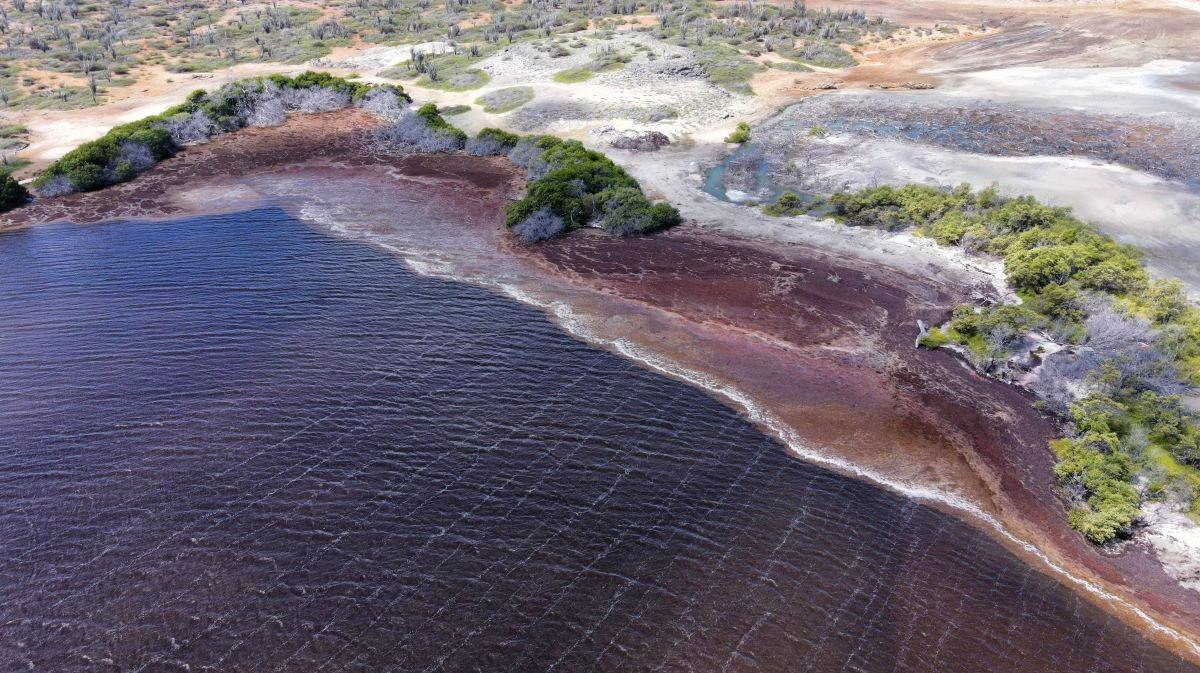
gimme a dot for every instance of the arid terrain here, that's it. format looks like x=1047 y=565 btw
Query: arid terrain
x=805 y=325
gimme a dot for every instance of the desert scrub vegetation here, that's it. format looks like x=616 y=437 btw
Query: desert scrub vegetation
x=505 y=100
x=788 y=66
x=728 y=37
x=448 y=72
x=580 y=73
x=1104 y=346
x=68 y=53
x=740 y=134
x=12 y=194
x=129 y=149
x=12 y=139
x=728 y=67
x=570 y=186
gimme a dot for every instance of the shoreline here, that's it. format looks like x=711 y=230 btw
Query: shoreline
x=640 y=289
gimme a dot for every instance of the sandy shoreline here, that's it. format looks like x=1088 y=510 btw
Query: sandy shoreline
x=813 y=344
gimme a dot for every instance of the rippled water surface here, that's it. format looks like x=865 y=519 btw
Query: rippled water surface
x=237 y=444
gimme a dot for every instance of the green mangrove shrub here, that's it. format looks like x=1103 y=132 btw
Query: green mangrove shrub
x=787 y=204
x=571 y=186
x=492 y=142
x=12 y=193
x=740 y=135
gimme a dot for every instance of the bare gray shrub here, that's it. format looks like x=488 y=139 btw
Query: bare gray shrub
x=59 y=185
x=486 y=147
x=1119 y=351
x=138 y=155
x=262 y=107
x=539 y=226
x=186 y=128
x=1062 y=379
x=525 y=151
x=410 y=134
x=538 y=166
x=314 y=99
x=1110 y=329
x=1141 y=368
x=382 y=103
x=267 y=112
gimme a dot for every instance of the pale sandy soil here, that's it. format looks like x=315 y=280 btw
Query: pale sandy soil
x=1175 y=540
x=1158 y=87
x=372 y=59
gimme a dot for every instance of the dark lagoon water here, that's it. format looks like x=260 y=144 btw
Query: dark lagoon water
x=237 y=444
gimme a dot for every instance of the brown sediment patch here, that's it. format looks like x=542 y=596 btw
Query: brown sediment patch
x=822 y=342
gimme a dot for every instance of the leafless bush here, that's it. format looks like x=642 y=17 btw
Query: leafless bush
x=137 y=155
x=525 y=151
x=627 y=226
x=1120 y=352
x=538 y=166
x=1110 y=329
x=263 y=107
x=186 y=128
x=539 y=226
x=1062 y=379
x=382 y=103
x=973 y=242
x=410 y=134
x=58 y=185
x=266 y=112
x=1129 y=351
x=487 y=147
x=314 y=99
x=1005 y=339
x=1139 y=368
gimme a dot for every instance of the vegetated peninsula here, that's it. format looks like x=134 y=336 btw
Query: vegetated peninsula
x=689 y=185
x=1104 y=346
